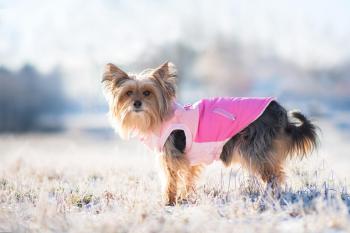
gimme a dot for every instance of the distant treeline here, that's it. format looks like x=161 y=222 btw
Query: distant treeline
x=27 y=96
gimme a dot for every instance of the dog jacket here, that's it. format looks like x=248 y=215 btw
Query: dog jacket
x=208 y=125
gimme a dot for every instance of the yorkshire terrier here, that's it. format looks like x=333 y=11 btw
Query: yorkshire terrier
x=258 y=133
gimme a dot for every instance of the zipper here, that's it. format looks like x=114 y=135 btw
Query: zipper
x=224 y=113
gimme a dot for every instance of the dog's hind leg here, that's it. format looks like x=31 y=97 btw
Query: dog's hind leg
x=271 y=169
x=272 y=175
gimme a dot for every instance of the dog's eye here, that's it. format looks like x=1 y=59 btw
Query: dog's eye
x=129 y=93
x=146 y=93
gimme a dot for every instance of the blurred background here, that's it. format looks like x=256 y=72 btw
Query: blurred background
x=52 y=55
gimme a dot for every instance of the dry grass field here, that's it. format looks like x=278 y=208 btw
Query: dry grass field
x=76 y=182
x=64 y=169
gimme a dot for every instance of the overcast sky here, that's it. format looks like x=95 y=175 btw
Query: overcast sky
x=83 y=35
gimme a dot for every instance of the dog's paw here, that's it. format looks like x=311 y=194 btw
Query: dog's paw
x=170 y=203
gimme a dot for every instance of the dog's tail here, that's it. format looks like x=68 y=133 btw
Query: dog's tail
x=303 y=134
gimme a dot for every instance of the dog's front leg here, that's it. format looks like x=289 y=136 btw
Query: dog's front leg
x=191 y=177
x=169 y=179
x=176 y=169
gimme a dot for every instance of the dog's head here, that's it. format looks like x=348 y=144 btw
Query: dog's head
x=138 y=103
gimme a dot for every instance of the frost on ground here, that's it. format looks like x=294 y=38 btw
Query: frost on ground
x=74 y=182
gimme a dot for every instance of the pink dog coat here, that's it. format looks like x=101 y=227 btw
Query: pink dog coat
x=208 y=125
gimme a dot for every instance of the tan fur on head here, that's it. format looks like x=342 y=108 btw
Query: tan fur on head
x=153 y=88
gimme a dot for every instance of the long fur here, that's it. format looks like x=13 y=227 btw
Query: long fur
x=303 y=136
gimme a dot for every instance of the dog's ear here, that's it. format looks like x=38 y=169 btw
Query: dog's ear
x=166 y=75
x=113 y=74
x=112 y=78
x=165 y=71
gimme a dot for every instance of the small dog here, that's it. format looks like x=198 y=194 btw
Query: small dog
x=258 y=133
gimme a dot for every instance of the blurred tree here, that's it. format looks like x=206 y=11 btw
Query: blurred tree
x=26 y=96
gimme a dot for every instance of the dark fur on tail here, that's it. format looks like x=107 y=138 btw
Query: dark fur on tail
x=303 y=134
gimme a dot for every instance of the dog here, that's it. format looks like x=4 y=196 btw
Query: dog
x=258 y=133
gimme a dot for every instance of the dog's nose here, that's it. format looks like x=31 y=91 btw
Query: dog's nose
x=137 y=103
